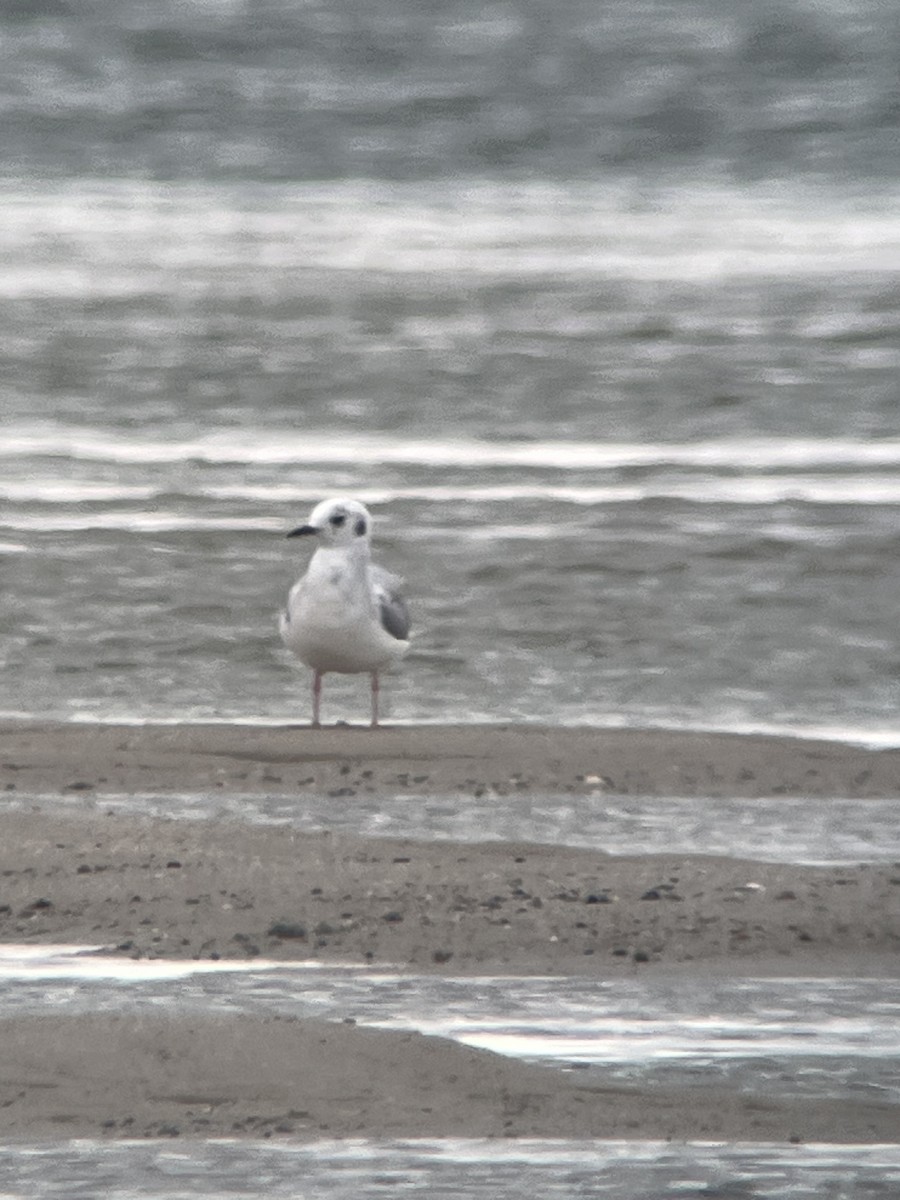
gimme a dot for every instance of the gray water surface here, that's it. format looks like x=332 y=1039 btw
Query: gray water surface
x=605 y=436
x=775 y=829
x=457 y=1169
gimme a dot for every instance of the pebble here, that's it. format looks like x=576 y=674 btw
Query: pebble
x=287 y=929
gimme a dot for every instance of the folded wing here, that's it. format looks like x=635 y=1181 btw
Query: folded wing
x=391 y=605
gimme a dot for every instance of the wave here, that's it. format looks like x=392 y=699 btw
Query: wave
x=145 y=522
x=483 y=230
x=870 y=737
x=72 y=491
x=706 y=490
x=759 y=490
x=329 y=449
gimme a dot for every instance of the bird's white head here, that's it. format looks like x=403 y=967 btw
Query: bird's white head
x=339 y=522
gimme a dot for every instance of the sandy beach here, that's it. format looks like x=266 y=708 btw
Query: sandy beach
x=75 y=871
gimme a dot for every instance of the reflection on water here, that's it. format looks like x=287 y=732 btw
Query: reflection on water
x=441 y=1170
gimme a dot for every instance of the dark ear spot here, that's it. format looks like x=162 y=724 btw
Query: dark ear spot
x=360 y=527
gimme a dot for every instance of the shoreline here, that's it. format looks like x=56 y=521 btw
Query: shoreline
x=200 y=1076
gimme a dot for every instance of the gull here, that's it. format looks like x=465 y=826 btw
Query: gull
x=345 y=614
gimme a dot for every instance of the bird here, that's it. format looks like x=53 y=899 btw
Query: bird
x=346 y=614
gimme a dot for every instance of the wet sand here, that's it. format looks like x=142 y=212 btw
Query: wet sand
x=146 y=1076
x=46 y=757
x=222 y=889
x=72 y=871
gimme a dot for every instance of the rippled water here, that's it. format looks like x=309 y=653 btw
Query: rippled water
x=771 y=829
x=393 y=90
x=451 y=1169
x=598 y=307
x=605 y=434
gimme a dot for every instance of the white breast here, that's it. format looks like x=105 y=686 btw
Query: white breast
x=332 y=622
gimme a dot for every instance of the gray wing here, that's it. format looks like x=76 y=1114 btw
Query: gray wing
x=391 y=605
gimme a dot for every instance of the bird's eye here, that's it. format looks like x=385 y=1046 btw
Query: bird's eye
x=337 y=520
x=360 y=528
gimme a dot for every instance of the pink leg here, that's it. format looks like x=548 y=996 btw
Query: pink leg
x=317 y=695
x=375 y=690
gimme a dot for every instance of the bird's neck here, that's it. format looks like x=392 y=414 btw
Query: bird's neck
x=356 y=552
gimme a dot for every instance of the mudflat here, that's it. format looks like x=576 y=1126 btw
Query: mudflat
x=206 y=1076
x=220 y=888
x=74 y=870
x=40 y=757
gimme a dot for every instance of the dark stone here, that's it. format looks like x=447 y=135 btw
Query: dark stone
x=288 y=929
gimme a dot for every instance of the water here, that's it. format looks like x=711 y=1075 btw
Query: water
x=395 y=89
x=697 y=530
x=787 y=829
x=354 y=1170
x=597 y=307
